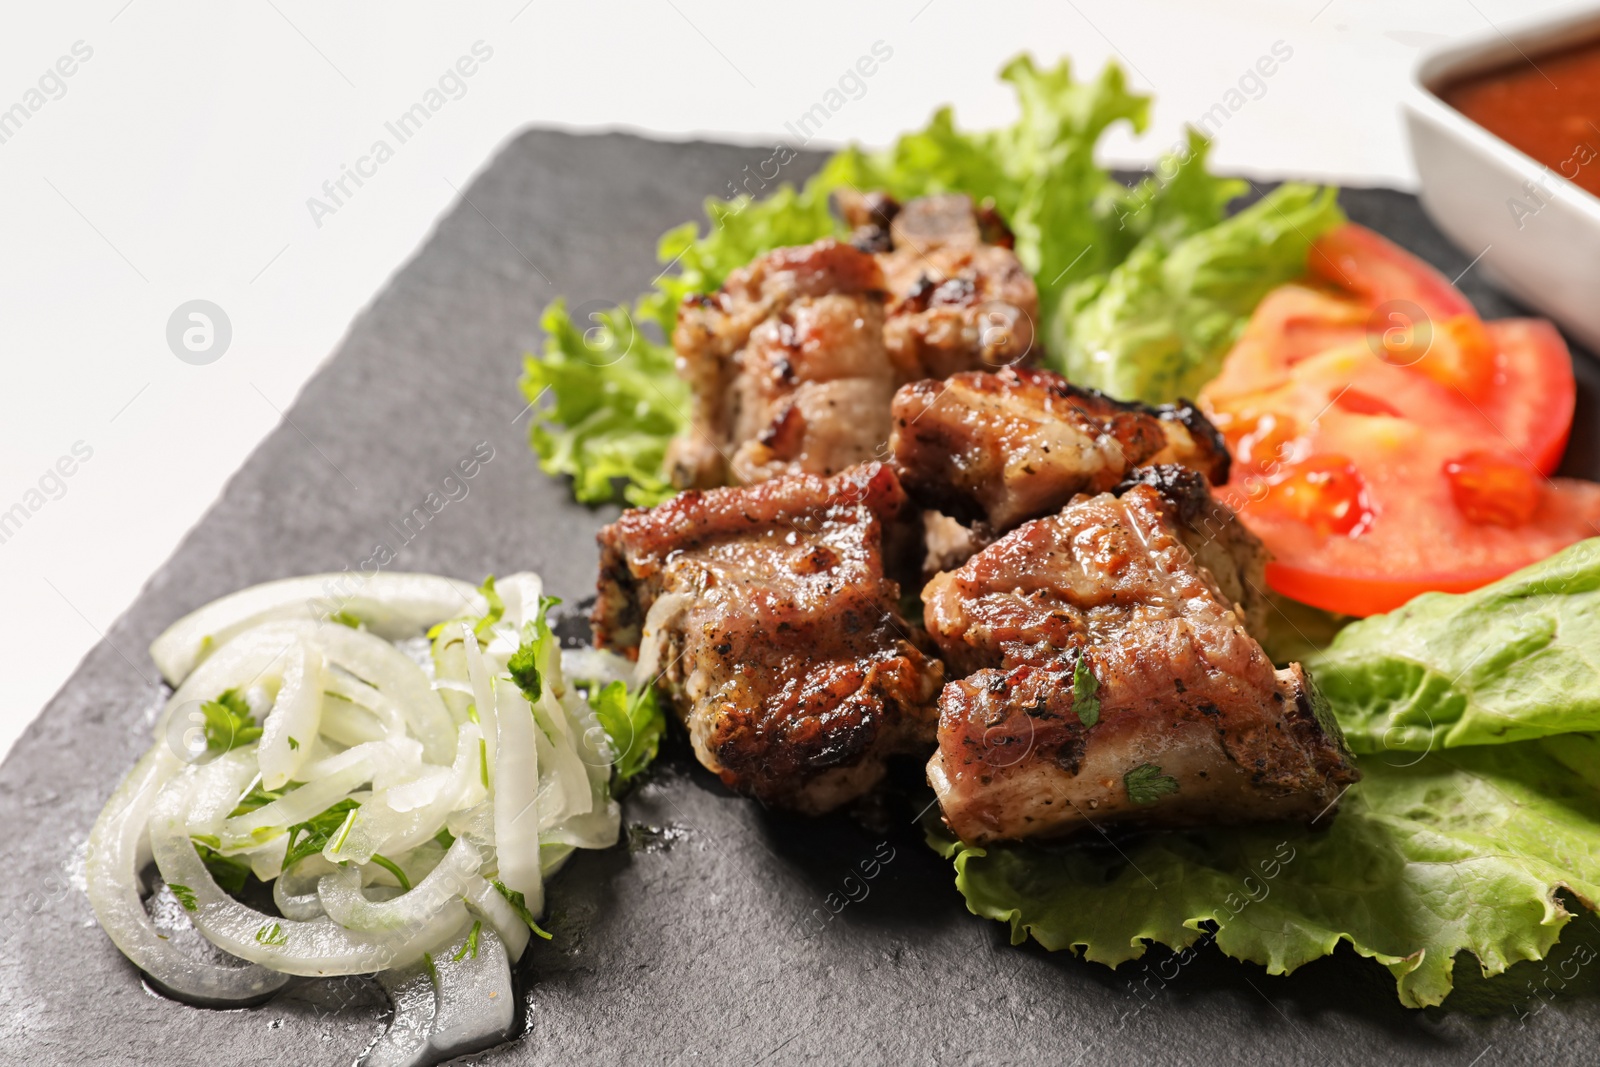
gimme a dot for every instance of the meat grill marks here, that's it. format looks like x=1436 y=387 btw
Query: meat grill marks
x=794 y=361
x=1188 y=722
x=1003 y=448
x=776 y=632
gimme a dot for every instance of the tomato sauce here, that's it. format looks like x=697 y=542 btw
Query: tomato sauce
x=1547 y=107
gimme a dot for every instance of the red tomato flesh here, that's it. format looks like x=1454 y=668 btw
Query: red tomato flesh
x=1389 y=442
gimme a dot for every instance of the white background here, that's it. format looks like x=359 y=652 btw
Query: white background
x=178 y=163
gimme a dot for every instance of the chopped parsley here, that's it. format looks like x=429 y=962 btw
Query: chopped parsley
x=344 y=618
x=312 y=836
x=185 y=896
x=537 y=643
x=471 y=947
x=519 y=904
x=523 y=667
x=634 y=723
x=229 y=872
x=1084 y=687
x=228 y=722
x=1146 y=784
x=497 y=608
x=393 y=868
x=272 y=935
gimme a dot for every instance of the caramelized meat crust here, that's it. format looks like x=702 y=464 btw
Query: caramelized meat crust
x=794 y=361
x=958 y=301
x=787 y=367
x=769 y=619
x=1185 y=720
x=1007 y=447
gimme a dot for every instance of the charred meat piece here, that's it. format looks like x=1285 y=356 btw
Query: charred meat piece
x=958 y=302
x=794 y=361
x=767 y=614
x=1234 y=557
x=1004 y=448
x=1107 y=679
x=787 y=366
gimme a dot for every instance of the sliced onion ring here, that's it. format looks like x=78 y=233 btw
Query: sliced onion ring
x=113 y=882
x=313 y=949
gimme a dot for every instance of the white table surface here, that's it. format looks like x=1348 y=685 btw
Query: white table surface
x=176 y=162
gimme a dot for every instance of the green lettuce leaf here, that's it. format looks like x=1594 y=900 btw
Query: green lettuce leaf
x=634 y=722
x=740 y=230
x=1429 y=856
x=1158 y=325
x=1065 y=210
x=1514 y=660
x=614 y=403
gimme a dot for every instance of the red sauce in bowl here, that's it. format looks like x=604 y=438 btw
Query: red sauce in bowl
x=1547 y=107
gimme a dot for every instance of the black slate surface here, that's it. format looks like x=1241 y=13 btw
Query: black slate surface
x=709 y=937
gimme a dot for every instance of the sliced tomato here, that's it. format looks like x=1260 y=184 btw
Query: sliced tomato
x=1357 y=261
x=1389 y=442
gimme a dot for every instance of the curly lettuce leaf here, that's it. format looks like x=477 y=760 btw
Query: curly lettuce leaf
x=1157 y=326
x=1464 y=852
x=1065 y=210
x=740 y=230
x=614 y=403
x=1517 y=659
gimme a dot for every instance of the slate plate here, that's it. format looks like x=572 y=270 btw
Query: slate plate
x=711 y=936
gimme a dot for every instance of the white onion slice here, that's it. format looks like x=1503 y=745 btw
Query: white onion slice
x=476 y=1003
x=248 y=661
x=485 y=901
x=377 y=827
x=482 y=679
x=295 y=891
x=358 y=693
x=392 y=606
x=271 y=820
x=516 y=800
x=350 y=724
x=399 y=679
x=295 y=719
x=405 y=1042
x=345 y=904
x=113 y=886
x=289 y=946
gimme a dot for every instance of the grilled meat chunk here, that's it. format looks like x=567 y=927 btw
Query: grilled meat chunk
x=793 y=362
x=788 y=368
x=958 y=302
x=1107 y=678
x=1007 y=447
x=1211 y=531
x=767 y=614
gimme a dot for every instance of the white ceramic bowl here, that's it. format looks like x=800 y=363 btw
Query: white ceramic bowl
x=1541 y=232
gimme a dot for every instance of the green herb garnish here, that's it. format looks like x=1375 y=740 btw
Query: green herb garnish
x=519 y=904
x=272 y=935
x=471 y=947
x=393 y=868
x=1146 y=784
x=1084 y=687
x=228 y=722
x=312 y=836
